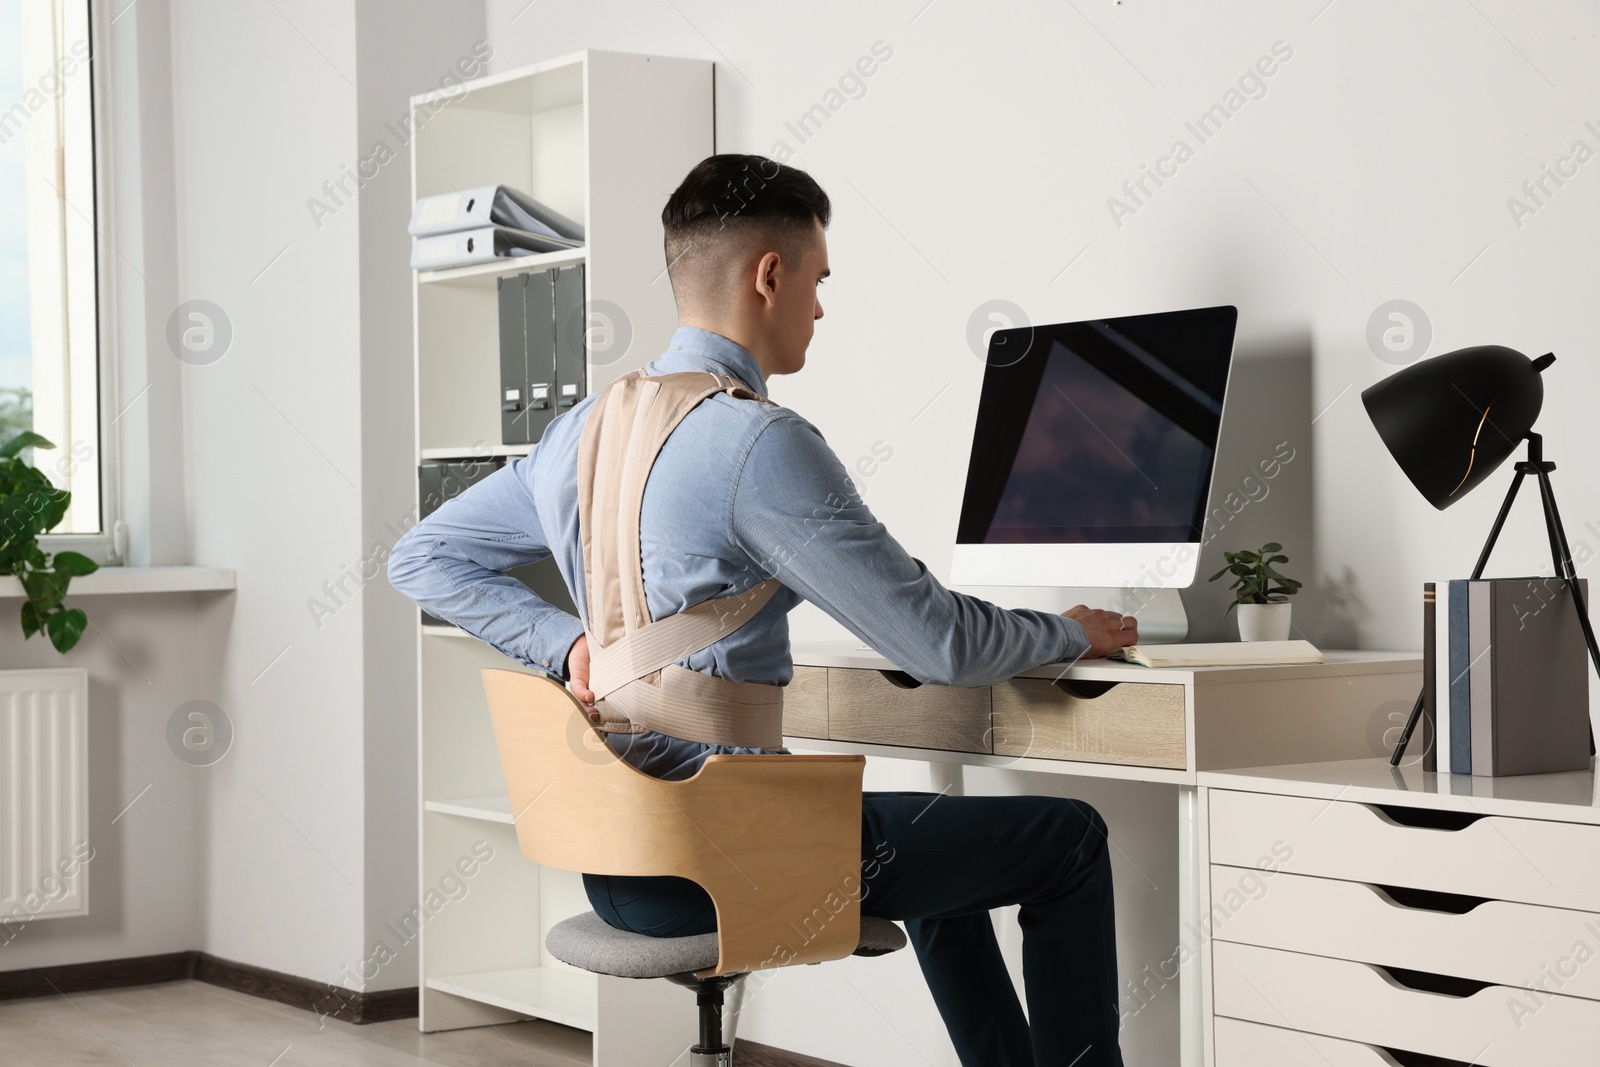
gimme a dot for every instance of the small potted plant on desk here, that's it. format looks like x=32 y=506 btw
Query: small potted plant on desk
x=1260 y=593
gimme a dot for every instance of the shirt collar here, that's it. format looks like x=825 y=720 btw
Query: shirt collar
x=703 y=346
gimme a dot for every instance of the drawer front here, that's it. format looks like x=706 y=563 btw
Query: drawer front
x=1529 y=860
x=805 y=703
x=872 y=706
x=1135 y=723
x=1242 y=1044
x=1268 y=721
x=1496 y=941
x=1357 y=1002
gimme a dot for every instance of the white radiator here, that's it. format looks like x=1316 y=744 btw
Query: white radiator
x=44 y=795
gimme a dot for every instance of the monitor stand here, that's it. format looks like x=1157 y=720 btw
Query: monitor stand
x=1161 y=615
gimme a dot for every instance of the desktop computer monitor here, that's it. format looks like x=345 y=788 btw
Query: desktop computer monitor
x=1093 y=452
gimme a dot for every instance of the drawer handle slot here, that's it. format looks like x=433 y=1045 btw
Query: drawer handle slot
x=1428 y=982
x=1428 y=899
x=1420 y=1059
x=1083 y=689
x=899 y=679
x=1426 y=818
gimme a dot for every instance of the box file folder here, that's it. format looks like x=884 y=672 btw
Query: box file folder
x=484 y=245
x=571 y=353
x=442 y=480
x=489 y=205
x=513 y=361
x=543 y=363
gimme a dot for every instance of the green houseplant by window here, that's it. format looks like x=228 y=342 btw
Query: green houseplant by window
x=30 y=505
x=1260 y=593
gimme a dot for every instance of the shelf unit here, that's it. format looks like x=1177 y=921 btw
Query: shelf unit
x=506 y=451
x=603 y=137
x=486 y=274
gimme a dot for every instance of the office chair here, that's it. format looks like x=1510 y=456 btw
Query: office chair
x=775 y=840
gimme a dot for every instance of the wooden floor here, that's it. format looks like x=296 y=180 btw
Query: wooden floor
x=192 y=1024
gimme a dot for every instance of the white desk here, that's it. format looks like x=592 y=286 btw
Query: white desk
x=1105 y=719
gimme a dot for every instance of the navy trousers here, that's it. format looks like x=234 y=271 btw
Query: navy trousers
x=940 y=864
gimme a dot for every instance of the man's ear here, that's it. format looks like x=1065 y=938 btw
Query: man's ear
x=766 y=277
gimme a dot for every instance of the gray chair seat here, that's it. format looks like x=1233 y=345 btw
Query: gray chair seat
x=589 y=942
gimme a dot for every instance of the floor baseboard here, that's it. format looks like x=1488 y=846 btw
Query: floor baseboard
x=100 y=974
x=319 y=997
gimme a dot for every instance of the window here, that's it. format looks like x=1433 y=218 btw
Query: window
x=49 y=296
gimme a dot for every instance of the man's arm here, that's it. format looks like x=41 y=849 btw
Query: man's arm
x=453 y=564
x=797 y=514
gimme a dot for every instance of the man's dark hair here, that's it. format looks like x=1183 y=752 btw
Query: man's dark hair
x=728 y=205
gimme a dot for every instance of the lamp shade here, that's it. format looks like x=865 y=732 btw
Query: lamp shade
x=1451 y=420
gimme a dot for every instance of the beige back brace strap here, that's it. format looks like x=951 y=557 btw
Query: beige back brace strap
x=632 y=659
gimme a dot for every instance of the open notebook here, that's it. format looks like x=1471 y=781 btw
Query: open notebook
x=1221 y=654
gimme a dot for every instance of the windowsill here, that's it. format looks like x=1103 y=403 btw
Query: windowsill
x=129 y=580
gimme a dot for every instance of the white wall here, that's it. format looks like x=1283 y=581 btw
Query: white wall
x=145 y=656
x=287 y=459
x=299 y=446
x=978 y=165
x=263 y=112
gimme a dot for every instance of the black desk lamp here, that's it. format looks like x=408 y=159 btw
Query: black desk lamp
x=1449 y=422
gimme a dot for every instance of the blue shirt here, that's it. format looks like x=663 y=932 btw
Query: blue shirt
x=741 y=491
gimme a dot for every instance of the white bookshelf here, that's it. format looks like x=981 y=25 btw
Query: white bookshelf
x=603 y=137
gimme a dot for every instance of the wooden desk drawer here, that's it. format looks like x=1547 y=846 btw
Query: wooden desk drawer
x=1529 y=860
x=1362 y=1003
x=1242 y=1044
x=1135 y=723
x=888 y=708
x=805 y=703
x=1496 y=941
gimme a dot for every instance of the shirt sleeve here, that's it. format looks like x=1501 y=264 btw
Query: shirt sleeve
x=797 y=513
x=453 y=565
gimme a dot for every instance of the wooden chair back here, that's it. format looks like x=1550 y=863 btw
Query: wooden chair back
x=775 y=840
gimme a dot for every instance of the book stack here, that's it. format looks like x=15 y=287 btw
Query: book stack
x=478 y=225
x=1505 y=677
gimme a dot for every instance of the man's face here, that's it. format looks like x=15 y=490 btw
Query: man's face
x=797 y=307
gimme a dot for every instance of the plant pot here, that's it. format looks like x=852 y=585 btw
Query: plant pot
x=1263 y=622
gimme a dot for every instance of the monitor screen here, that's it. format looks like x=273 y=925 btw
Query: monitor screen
x=1098 y=432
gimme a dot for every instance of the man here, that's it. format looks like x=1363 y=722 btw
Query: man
x=743 y=491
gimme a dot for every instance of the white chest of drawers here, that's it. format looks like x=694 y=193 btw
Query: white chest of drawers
x=1359 y=915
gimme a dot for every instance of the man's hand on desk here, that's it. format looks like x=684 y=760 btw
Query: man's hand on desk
x=578 y=675
x=1107 y=630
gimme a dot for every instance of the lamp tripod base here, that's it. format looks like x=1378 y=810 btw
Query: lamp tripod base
x=1560 y=553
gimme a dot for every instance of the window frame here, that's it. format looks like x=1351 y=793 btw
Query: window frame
x=102 y=546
